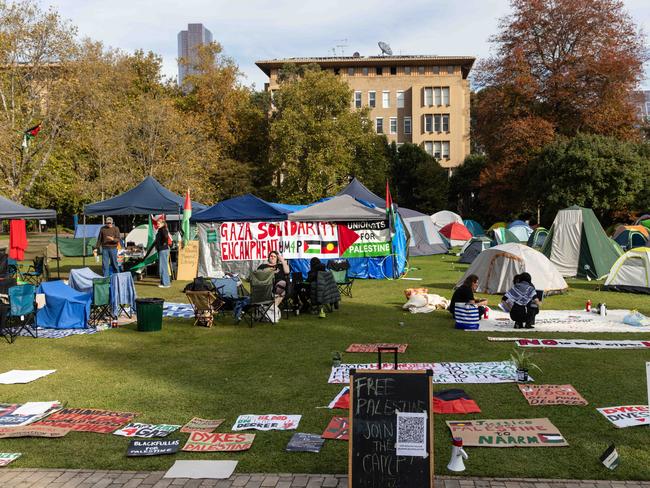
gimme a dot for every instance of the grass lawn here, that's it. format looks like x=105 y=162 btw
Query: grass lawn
x=186 y=371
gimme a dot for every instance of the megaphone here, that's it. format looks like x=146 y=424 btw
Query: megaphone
x=457 y=455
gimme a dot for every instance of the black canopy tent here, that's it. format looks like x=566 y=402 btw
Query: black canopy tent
x=12 y=210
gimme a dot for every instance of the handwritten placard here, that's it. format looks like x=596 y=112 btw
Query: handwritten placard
x=188 y=261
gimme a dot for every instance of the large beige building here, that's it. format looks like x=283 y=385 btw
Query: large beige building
x=423 y=100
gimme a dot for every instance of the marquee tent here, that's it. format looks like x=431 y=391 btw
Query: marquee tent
x=444 y=217
x=245 y=208
x=631 y=272
x=473 y=248
x=339 y=209
x=496 y=268
x=537 y=238
x=474 y=227
x=456 y=233
x=578 y=246
x=631 y=236
x=425 y=240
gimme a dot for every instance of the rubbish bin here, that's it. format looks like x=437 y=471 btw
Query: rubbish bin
x=149 y=311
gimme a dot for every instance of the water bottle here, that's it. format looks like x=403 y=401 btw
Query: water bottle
x=603 y=310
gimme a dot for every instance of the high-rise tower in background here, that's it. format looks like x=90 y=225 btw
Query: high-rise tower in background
x=188 y=42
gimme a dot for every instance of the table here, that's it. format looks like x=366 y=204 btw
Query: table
x=65 y=307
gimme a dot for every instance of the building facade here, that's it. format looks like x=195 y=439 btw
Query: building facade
x=188 y=42
x=642 y=101
x=424 y=100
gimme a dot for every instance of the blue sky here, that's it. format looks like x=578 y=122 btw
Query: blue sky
x=250 y=30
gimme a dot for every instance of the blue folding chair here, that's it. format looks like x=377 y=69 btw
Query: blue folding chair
x=21 y=314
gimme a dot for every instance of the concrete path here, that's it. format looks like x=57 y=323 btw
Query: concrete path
x=79 y=478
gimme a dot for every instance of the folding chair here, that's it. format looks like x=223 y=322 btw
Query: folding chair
x=100 y=308
x=36 y=272
x=262 y=299
x=21 y=314
x=205 y=304
x=232 y=292
x=339 y=268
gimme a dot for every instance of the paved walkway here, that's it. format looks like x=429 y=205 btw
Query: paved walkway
x=79 y=478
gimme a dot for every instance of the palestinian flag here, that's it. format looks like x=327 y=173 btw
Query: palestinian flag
x=329 y=247
x=30 y=134
x=187 y=213
x=312 y=247
x=342 y=400
x=551 y=438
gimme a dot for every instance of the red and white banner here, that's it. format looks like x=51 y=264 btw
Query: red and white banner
x=583 y=344
x=627 y=416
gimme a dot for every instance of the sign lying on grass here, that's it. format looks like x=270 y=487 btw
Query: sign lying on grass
x=15 y=415
x=267 y=422
x=552 y=395
x=16 y=376
x=342 y=400
x=627 y=416
x=146 y=430
x=401 y=348
x=32 y=431
x=8 y=457
x=337 y=429
x=305 y=443
x=152 y=448
x=481 y=372
x=201 y=425
x=583 y=344
x=218 y=441
x=507 y=433
x=341 y=374
x=88 y=420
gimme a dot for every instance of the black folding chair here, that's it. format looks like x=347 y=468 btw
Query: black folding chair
x=21 y=314
x=36 y=272
x=262 y=298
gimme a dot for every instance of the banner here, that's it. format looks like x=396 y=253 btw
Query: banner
x=507 y=433
x=218 y=441
x=627 y=416
x=552 y=395
x=481 y=372
x=15 y=415
x=201 y=425
x=401 y=348
x=583 y=344
x=267 y=422
x=7 y=457
x=146 y=430
x=152 y=448
x=32 y=431
x=305 y=443
x=341 y=374
x=88 y=420
x=337 y=429
x=372 y=239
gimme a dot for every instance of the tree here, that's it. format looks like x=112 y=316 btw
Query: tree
x=465 y=187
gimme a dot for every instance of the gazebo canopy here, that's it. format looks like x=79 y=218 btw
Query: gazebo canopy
x=244 y=208
x=358 y=190
x=149 y=197
x=13 y=210
x=337 y=209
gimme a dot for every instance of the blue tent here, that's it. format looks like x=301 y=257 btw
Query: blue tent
x=517 y=223
x=245 y=208
x=359 y=191
x=474 y=227
x=149 y=197
x=88 y=231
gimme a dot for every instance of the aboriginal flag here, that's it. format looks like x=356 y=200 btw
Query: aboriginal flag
x=329 y=247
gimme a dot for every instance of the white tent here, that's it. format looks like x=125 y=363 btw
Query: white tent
x=521 y=232
x=631 y=272
x=444 y=217
x=496 y=268
x=425 y=239
x=138 y=235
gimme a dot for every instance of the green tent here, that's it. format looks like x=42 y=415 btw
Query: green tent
x=501 y=235
x=578 y=246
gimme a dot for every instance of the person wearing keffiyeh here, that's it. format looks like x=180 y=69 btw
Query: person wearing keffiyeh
x=524 y=302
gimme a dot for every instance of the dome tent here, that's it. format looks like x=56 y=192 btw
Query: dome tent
x=457 y=233
x=631 y=272
x=425 y=240
x=631 y=236
x=501 y=235
x=578 y=246
x=474 y=227
x=473 y=248
x=444 y=217
x=537 y=238
x=496 y=268
x=520 y=229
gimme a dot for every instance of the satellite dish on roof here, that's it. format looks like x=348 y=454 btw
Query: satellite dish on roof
x=385 y=48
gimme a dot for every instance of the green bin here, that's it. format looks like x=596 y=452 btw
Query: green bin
x=150 y=312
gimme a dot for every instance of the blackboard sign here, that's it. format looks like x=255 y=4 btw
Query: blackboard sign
x=391 y=429
x=152 y=448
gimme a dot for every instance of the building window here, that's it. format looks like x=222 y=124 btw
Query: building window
x=420 y=70
x=385 y=99
x=445 y=122
x=393 y=125
x=441 y=123
x=436 y=70
x=445 y=95
x=407 y=70
x=437 y=149
x=428 y=96
x=407 y=125
x=438 y=93
x=441 y=95
x=647 y=108
x=372 y=99
x=445 y=149
x=450 y=70
x=400 y=98
x=364 y=71
x=428 y=147
x=379 y=70
x=428 y=123
x=357 y=99
x=350 y=71
x=393 y=70
x=379 y=125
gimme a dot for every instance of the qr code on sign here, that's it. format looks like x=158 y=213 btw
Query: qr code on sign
x=411 y=430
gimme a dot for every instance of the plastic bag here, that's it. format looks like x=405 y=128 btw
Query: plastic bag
x=636 y=319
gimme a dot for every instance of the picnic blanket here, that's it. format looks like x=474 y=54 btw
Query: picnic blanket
x=58 y=333
x=562 y=321
x=82 y=279
x=65 y=307
x=178 y=310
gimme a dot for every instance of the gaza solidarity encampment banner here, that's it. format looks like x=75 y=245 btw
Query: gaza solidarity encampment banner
x=244 y=241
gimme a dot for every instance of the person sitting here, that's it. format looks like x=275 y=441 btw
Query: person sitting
x=525 y=304
x=465 y=294
x=278 y=265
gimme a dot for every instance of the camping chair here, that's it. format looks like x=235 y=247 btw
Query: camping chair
x=205 y=304
x=36 y=272
x=21 y=314
x=232 y=292
x=100 y=307
x=262 y=299
x=339 y=268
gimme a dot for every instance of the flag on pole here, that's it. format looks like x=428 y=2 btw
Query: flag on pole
x=390 y=210
x=187 y=213
x=151 y=256
x=30 y=134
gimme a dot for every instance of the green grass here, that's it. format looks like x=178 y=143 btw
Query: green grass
x=185 y=371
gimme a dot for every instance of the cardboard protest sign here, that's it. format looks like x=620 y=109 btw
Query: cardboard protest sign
x=627 y=416
x=480 y=372
x=342 y=400
x=305 y=443
x=188 y=261
x=267 y=422
x=401 y=348
x=552 y=395
x=218 y=441
x=8 y=457
x=152 y=448
x=507 y=433
x=201 y=425
x=582 y=344
x=15 y=415
x=337 y=429
x=88 y=420
x=146 y=430
x=32 y=431
x=16 y=376
x=341 y=374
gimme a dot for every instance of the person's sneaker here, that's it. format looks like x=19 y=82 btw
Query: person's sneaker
x=321 y=314
x=164 y=286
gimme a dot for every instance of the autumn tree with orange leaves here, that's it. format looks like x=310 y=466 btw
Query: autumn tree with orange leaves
x=560 y=67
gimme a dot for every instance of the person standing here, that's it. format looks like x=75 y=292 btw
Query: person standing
x=109 y=238
x=162 y=243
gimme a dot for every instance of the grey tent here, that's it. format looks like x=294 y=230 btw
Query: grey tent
x=342 y=208
x=425 y=239
x=473 y=248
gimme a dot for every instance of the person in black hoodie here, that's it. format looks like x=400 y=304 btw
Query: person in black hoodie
x=161 y=244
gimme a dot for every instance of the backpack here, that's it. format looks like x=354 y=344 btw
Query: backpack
x=200 y=283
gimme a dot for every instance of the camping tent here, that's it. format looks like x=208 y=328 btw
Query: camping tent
x=496 y=268
x=501 y=235
x=473 y=248
x=457 y=233
x=631 y=236
x=474 y=227
x=631 y=272
x=644 y=220
x=139 y=235
x=497 y=225
x=245 y=208
x=537 y=238
x=520 y=229
x=578 y=246
x=444 y=217
x=424 y=240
